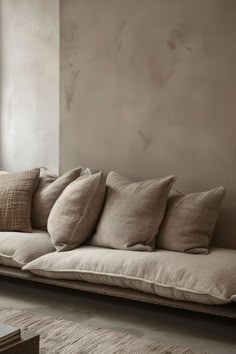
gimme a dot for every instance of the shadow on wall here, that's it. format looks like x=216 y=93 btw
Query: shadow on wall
x=149 y=90
x=0 y=83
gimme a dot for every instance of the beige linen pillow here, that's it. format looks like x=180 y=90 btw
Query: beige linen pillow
x=74 y=216
x=49 y=189
x=16 y=190
x=132 y=213
x=190 y=220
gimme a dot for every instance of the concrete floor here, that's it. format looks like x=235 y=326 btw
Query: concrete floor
x=201 y=332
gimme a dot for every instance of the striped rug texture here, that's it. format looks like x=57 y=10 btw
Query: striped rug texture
x=58 y=336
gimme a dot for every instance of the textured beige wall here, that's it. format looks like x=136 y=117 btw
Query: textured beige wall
x=29 y=84
x=148 y=88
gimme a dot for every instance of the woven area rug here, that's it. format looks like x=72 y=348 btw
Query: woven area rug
x=58 y=336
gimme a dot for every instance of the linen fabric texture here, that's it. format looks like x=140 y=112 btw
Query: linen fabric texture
x=132 y=213
x=190 y=220
x=19 y=248
x=49 y=189
x=75 y=214
x=180 y=276
x=16 y=191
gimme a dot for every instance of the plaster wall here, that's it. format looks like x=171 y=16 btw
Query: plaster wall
x=29 y=83
x=148 y=88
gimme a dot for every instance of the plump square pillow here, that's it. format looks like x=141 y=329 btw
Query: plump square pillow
x=74 y=216
x=49 y=189
x=190 y=220
x=132 y=213
x=16 y=191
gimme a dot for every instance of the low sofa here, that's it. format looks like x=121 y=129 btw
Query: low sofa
x=205 y=283
x=198 y=282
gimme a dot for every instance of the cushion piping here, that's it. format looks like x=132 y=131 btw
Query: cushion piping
x=134 y=278
x=13 y=258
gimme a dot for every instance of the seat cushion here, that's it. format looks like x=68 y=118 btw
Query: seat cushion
x=208 y=279
x=18 y=248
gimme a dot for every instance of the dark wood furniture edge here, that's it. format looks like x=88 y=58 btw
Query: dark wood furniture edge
x=136 y=295
x=27 y=344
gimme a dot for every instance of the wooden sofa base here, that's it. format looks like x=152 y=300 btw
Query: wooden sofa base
x=218 y=310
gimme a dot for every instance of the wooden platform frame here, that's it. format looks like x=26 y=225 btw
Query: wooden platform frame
x=136 y=295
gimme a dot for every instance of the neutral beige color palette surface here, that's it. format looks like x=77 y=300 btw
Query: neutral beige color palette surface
x=49 y=189
x=75 y=214
x=16 y=191
x=148 y=88
x=132 y=213
x=29 y=84
x=13 y=250
x=66 y=337
x=189 y=221
x=174 y=275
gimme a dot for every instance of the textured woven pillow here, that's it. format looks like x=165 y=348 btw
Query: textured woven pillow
x=190 y=220
x=132 y=213
x=49 y=189
x=16 y=191
x=74 y=216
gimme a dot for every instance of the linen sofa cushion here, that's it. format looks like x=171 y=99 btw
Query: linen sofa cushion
x=19 y=248
x=16 y=191
x=180 y=276
x=190 y=220
x=49 y=189
x=74 y=215
x=132 y=213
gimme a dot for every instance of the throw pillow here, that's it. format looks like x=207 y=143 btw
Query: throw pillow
x=74 y=216
x=132 y=213
x=16 y=191
x=190 y=220
x=49 y=189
